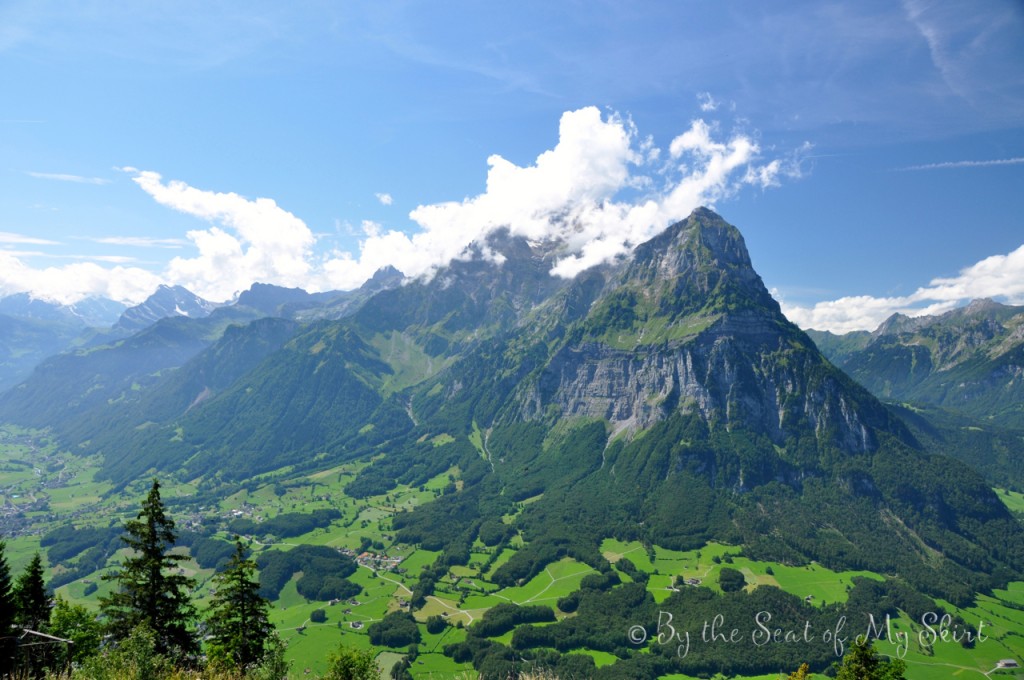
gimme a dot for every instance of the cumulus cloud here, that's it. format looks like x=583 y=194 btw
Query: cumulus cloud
x=602 y=190
x=385 y=199
x=74 y=282
x=998 y=276
x=571 y=194
x=249 y=240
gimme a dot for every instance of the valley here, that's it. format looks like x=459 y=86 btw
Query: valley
x=43 y=489
x=497 y=470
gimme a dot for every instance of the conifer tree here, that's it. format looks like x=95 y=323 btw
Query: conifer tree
x=8 y=641
x=237 y=619
x=33 y=613
x=863 y=663
x=33 y=602
x=150 y=592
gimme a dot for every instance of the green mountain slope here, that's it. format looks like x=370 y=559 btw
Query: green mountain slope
x=663 y=398
x=969 y=360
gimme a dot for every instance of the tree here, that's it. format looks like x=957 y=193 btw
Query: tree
x=76 y=623
x=8 y=641
x=32 y=600
x=32 y=604
x=731 y=580
x=802 y=673
x=352 y=664
x=237 y=618
x=150 y=591
x=862 y=663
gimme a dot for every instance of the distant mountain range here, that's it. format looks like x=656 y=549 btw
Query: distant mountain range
x=663 y=398
x=969 y=360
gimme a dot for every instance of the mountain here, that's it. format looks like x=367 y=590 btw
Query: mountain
x=167 y=301
x=663 y=398
x=68 y=391
x=26 y=341
x=281 y=302
x=93 y=311
x=32 y=329
x=969 y=360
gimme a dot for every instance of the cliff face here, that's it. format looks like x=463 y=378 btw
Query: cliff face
x=687 y=326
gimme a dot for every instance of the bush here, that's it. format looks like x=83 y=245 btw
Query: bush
x=731 y=580
x=318 y=616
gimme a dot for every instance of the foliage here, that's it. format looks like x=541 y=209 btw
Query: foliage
x=323 y=572
x=76 y=623
x=7 y=615
x=352 y=664
x=863 y=663
x=237 y=619
x=136 y=657
x=731 y=579
x=149 y=590
x=286 y=525
x=396 y=629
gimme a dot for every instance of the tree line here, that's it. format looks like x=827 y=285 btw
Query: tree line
x=148 y=626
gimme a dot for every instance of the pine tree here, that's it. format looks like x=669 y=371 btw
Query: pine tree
x=150 y=592
x=862 y=663
x=237 y=619
x=33 y=602
x=8 y=640
x=33 y=613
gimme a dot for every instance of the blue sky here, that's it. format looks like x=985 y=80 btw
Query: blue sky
x=872 y=153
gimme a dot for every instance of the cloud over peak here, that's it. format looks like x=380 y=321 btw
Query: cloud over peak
x=602 y=190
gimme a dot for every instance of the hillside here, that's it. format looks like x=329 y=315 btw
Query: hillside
x=969 y=360
x=663 y=400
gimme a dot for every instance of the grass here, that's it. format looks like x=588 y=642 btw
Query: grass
x=31 y=466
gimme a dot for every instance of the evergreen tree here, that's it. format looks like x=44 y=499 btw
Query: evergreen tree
x=33 y=602
x=8 y=640
x=150 y=591
x=237 y=618
x=862 y=663
x=33 y=613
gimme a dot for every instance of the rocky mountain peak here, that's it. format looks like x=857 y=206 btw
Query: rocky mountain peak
x=166 y=301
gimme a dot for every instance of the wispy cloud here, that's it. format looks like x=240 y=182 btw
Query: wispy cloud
x=63 y=177
x=141 y=241
x=8 y=237
x=965 y=164
x=998 y=276
x=707 y=102
x=385 y=199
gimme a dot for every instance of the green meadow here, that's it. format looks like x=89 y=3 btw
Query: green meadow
x=51 y=488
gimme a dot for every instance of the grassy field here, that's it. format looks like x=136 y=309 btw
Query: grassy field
x=42 y=488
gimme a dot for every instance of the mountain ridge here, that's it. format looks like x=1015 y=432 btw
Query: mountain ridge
x=607 y=398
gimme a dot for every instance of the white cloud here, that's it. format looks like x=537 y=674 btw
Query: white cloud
x=250 y=240
x=707 y=102
x=998 y=276
x=385 y=199
x=74 y=282
x=61 y=177
x=966 y=164
x=602 y=190
x=569 y=194
x=8 y=237
x=141 y=241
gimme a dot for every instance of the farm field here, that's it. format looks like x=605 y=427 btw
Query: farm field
x=42 y=489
